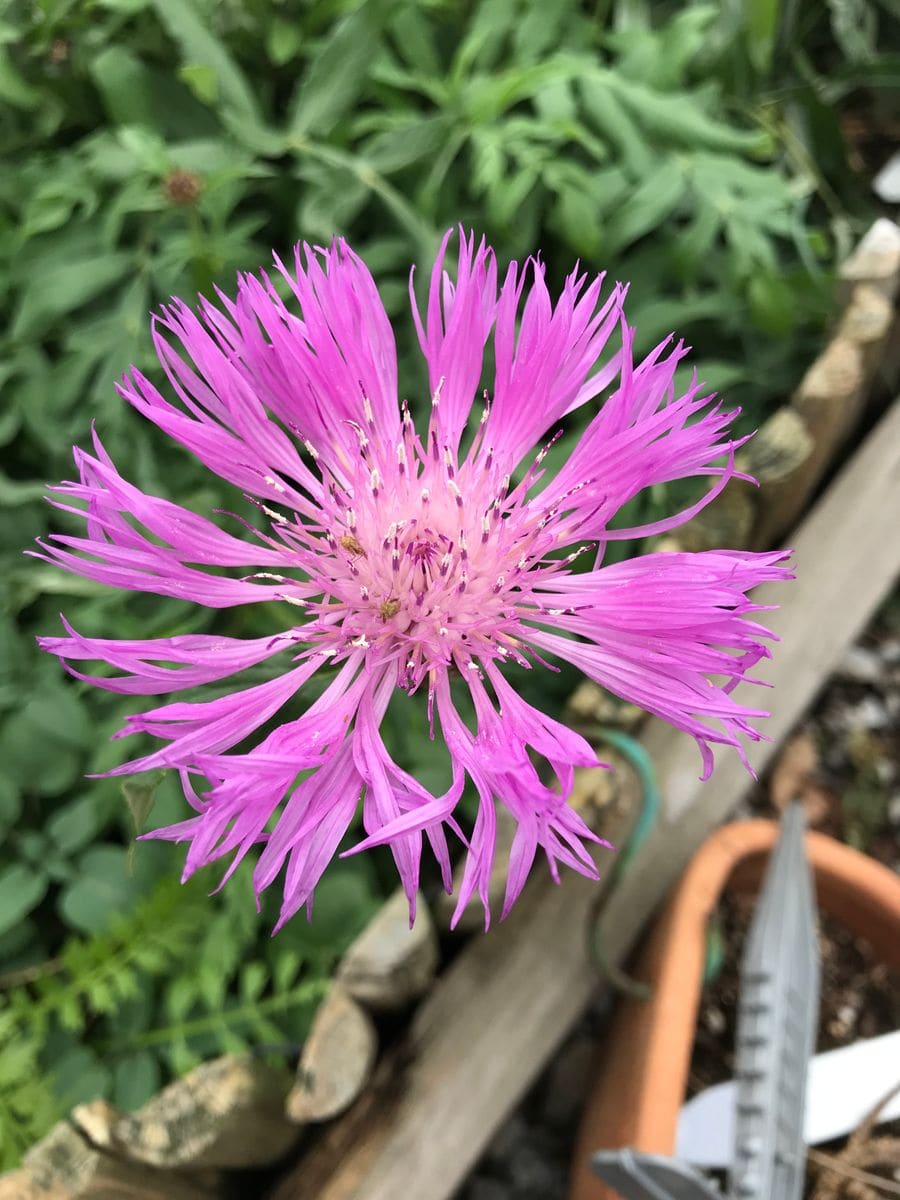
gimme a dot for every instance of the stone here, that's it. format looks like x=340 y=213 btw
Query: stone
x=828 y=402
x=227 y=1113
x=337 y=1059
x=64 y=1165
x=782 y=445
x=827 y=397
x=886 y=184
x=390 y=964
x=868 y=713
x=867 y=322
x=876 y=260
x=726 y=521
x=860 y=665
x=794 y=778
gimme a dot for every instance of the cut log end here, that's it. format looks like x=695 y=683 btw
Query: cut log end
x=336 y=1062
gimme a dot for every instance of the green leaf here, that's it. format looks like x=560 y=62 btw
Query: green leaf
x=103 y=889
x=486 y=97
x=147 y=147
x=761 y=19
x=13 y=88
x=344 y=901
x=140 y=796
x=61 y=716
x=338 y=73
x=41 y=745
x=181 y=997
x=283 y=40
x=136 y=1078
x=21 y=889
x=679 y=119
x=253 y=980
x=202 y=80
x=129 y=7
x=74 y=825
x=329 y=199
x=772 y=304
x=647 y=207
x=198 y=45
x=610 y=118
x=657 y=318
x=10 y=803
x=413 y=31
x=682 y=39
x=59 y=289
x=79 y=1076
x=13 y=493
x=854 y=24
x=410 y=141
x=286 y=967
x=577 y=220
x=693 y=245
x=125 y=86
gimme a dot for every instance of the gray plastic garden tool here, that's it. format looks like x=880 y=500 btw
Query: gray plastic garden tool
x=777 y=1019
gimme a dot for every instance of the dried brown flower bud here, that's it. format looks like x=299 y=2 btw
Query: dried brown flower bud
x=60 y=49
x=182 y=188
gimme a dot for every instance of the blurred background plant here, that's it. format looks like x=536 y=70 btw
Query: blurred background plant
x=712 y=154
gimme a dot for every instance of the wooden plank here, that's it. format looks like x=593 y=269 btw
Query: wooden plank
x=497 y=1015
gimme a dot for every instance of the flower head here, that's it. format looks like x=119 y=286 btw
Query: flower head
x=404 y=559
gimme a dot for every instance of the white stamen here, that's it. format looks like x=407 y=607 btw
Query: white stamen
x=274 y=516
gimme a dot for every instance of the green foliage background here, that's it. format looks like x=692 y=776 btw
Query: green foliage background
x=691 y=148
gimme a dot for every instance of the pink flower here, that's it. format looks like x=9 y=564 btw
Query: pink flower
x=409 y=558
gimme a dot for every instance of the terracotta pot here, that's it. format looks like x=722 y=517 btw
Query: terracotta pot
x=642 y=1073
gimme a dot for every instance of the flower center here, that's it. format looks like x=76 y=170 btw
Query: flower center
x=423 y=560
x=426 y=586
